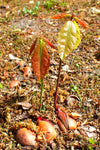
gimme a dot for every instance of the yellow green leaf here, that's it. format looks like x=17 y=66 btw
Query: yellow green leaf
x=68 y=39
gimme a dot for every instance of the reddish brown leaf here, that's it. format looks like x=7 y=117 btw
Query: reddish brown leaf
x=61 y=126
x=63 y=117
x=36 y=62
x=64 y=121
x=82 y=23
x=59 y=16
x=40 y=61
x=49 y=43
x=33 y=46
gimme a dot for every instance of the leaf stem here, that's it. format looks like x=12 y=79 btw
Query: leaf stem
x=41 y=95
x=79 y=97
x=56 y=93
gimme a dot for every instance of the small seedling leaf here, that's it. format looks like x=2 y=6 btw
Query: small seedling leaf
x=59 y=16
x=49 y=43
x=68 y=39
x=40 y=60
x=81 y=22
x=33 y=46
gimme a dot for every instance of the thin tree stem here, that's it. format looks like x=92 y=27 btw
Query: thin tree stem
x=56 y=93
x=41 y=95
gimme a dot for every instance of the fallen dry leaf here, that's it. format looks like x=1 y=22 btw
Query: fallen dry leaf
x=25 y=105
x=72 y=100
x=27 y=71
x=13 y=83
x=75 y=115
x=72 y=123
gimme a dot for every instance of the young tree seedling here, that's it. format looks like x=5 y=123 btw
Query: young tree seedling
x=68 y=39
x=40 y=60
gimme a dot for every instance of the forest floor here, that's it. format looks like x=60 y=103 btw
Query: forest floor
x=80 y=73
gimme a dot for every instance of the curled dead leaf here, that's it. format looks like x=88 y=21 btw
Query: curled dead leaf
x=88 y=131
x=72 y=100
x=25 y=105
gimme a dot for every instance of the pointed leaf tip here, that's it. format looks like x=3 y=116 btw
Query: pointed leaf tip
x=81 y=22
x=33 y=46
x=49 y=43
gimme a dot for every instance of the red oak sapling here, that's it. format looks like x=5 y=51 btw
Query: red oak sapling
x=68 y=39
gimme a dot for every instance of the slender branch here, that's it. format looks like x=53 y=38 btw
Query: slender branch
x=56 y=93
x=41 y=95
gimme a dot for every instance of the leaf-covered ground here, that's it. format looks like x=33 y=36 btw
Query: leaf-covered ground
x=20 y=23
